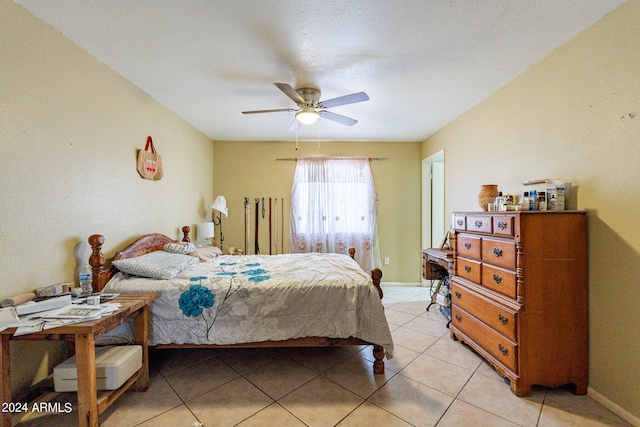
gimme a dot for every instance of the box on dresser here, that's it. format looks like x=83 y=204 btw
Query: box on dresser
x=519 y=295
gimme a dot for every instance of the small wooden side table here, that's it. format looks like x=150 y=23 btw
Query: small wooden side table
x=83 y=336
x=436 y=263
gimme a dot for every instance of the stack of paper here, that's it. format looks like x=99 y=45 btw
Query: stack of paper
x=8 y=318
x=72 y=313
x=47 y=304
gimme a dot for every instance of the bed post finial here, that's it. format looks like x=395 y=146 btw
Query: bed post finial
x=352 y=253
x=185 y=231
x=96 y=260
x=376 y=276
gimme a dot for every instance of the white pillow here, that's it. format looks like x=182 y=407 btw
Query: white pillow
x=156 y=265
x=180 y=248
x=206 y=253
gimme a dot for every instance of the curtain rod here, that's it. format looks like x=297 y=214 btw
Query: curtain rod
x=293 y=159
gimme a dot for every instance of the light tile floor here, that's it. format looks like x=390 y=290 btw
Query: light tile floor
x=431 y=381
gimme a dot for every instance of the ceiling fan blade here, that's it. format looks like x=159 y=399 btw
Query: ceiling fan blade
x=290 y=92
x=278 y=110
x=346 y=99
x=343 y=120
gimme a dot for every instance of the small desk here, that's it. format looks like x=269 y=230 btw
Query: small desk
x=436 y=262
x=83 y=335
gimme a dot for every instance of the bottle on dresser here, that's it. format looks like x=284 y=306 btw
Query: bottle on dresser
x=499 y=202
x=542 y=201
x=533 y=204
x=525 y=201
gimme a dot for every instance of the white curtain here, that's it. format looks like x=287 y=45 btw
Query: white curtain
x=333 y=208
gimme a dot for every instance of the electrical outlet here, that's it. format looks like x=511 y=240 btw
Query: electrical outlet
x=386 y=261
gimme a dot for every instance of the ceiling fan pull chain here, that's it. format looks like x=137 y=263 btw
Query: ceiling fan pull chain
x=318 y=137
x=296 y=139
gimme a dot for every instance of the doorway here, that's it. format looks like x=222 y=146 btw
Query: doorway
x=433 y=223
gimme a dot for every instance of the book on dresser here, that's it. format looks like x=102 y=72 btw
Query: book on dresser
x=519 y=295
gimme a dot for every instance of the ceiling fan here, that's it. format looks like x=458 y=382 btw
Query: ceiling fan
x=310 y=108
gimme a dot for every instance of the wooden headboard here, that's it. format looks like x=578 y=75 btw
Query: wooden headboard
x=144 y=245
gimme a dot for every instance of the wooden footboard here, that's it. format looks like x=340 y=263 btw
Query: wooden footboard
x=153 y=242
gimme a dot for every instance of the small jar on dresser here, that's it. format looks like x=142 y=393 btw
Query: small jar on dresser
x=519 y=295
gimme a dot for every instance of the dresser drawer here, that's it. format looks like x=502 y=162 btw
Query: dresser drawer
x=469 y=246
x=499 y=252
x=482 y=224
x=497 y=345
x=460 y=222
x=499 y=280
x=503 y=225
x=499 y=318
x=469 y=269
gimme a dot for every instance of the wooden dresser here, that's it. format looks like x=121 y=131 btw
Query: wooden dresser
x=519 y=295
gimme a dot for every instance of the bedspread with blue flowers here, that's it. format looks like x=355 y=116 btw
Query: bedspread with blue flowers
x=253 y=298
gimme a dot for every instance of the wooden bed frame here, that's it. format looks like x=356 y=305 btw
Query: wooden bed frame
x=153 y=242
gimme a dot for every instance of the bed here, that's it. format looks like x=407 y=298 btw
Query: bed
x=230 y=301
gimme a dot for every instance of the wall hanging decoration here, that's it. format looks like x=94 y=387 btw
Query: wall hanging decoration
x=150 y=162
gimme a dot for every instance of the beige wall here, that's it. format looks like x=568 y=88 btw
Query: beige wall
x=69 y=129
x=249 y=169
x=574 y=116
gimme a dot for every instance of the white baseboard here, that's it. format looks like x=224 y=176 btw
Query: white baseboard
x=622 y=413
x=407 y=284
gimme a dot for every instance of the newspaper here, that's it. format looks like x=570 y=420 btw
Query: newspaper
x=73 y=313
x=8 y=318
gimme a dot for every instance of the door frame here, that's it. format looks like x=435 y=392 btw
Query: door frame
x=427 y=202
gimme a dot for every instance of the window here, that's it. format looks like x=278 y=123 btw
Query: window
x=333 y=208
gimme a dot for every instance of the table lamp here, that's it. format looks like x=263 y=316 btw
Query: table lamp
x=205 y=233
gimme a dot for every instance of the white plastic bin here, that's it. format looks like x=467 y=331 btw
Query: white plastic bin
x=114 y=366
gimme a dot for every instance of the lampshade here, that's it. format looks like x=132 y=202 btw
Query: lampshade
x=307 y=116
x=220 y=204
x=205 y=231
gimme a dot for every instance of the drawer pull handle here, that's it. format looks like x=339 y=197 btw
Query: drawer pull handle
x=467 y=268
x=478 y=223
x=504 y=350
x=458 y=317
x=502 y=225
x=460 y=223
x=497 y=252
x=497 y=279
x=503 y=319
x=467 y=245
x=458 y=295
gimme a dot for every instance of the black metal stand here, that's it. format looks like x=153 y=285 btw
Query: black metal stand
x=219 y=224
x=442 y=289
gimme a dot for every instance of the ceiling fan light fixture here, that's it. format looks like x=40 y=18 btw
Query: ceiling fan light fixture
x=307 y=116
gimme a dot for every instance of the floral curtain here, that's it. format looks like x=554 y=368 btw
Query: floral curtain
x=333 y=208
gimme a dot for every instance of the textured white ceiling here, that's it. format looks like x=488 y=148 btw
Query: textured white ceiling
x=422 y=63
